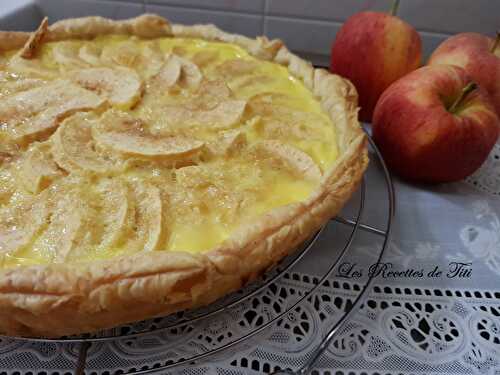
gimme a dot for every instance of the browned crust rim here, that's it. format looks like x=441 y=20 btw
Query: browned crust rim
x=56 y=300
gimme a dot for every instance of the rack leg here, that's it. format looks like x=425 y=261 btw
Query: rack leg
x=82 y=358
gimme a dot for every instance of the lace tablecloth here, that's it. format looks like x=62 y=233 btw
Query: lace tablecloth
x=434 y=308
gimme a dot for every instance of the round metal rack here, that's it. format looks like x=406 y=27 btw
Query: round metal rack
x=191 y=318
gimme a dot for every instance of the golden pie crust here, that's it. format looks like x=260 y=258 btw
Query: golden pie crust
x=62 y=299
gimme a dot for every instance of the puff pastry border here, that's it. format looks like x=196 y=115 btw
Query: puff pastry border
x=56 y=300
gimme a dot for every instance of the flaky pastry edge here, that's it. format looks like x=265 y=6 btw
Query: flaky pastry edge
x=56 y=300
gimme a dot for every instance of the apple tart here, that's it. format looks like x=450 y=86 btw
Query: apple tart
x=148 y=168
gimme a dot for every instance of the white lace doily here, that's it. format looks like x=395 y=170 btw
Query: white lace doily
x=408 y=325
x=399 y=330
x=487 y=178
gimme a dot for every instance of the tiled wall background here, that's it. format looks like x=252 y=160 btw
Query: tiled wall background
x=307 y=26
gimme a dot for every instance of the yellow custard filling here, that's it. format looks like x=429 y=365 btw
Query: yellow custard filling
x=119 y=145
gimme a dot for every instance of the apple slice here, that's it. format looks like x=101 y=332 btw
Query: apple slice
x=38 y=168
x=120 y=86
x=74 y=148
x=294 y=159
x=29 y=113
x=123 y=133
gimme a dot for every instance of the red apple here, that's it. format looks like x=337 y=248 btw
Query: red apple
x=479 y=55
x=373 y=50
x=435 y=125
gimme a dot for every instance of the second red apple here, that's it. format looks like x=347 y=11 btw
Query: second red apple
x=435 y=125
x=479 y=55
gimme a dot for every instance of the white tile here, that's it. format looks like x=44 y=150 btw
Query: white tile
x=9 y=6
x=60 y=9
x=250 y=25
x=19 y=16
x=430 y=41
x=141 y=2
x=333 y=10
x=302 y=36
x=254 y=6
x=316 y=59
x=313 y=39
x=452 y=16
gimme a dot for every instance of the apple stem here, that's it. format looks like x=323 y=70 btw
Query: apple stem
x=495 y=44
x=394 y=8
x=465 y=91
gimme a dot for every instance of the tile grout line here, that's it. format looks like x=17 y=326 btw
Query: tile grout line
x=325 y=22
x=264 y=17
x=203 y=8
x=264 y=13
